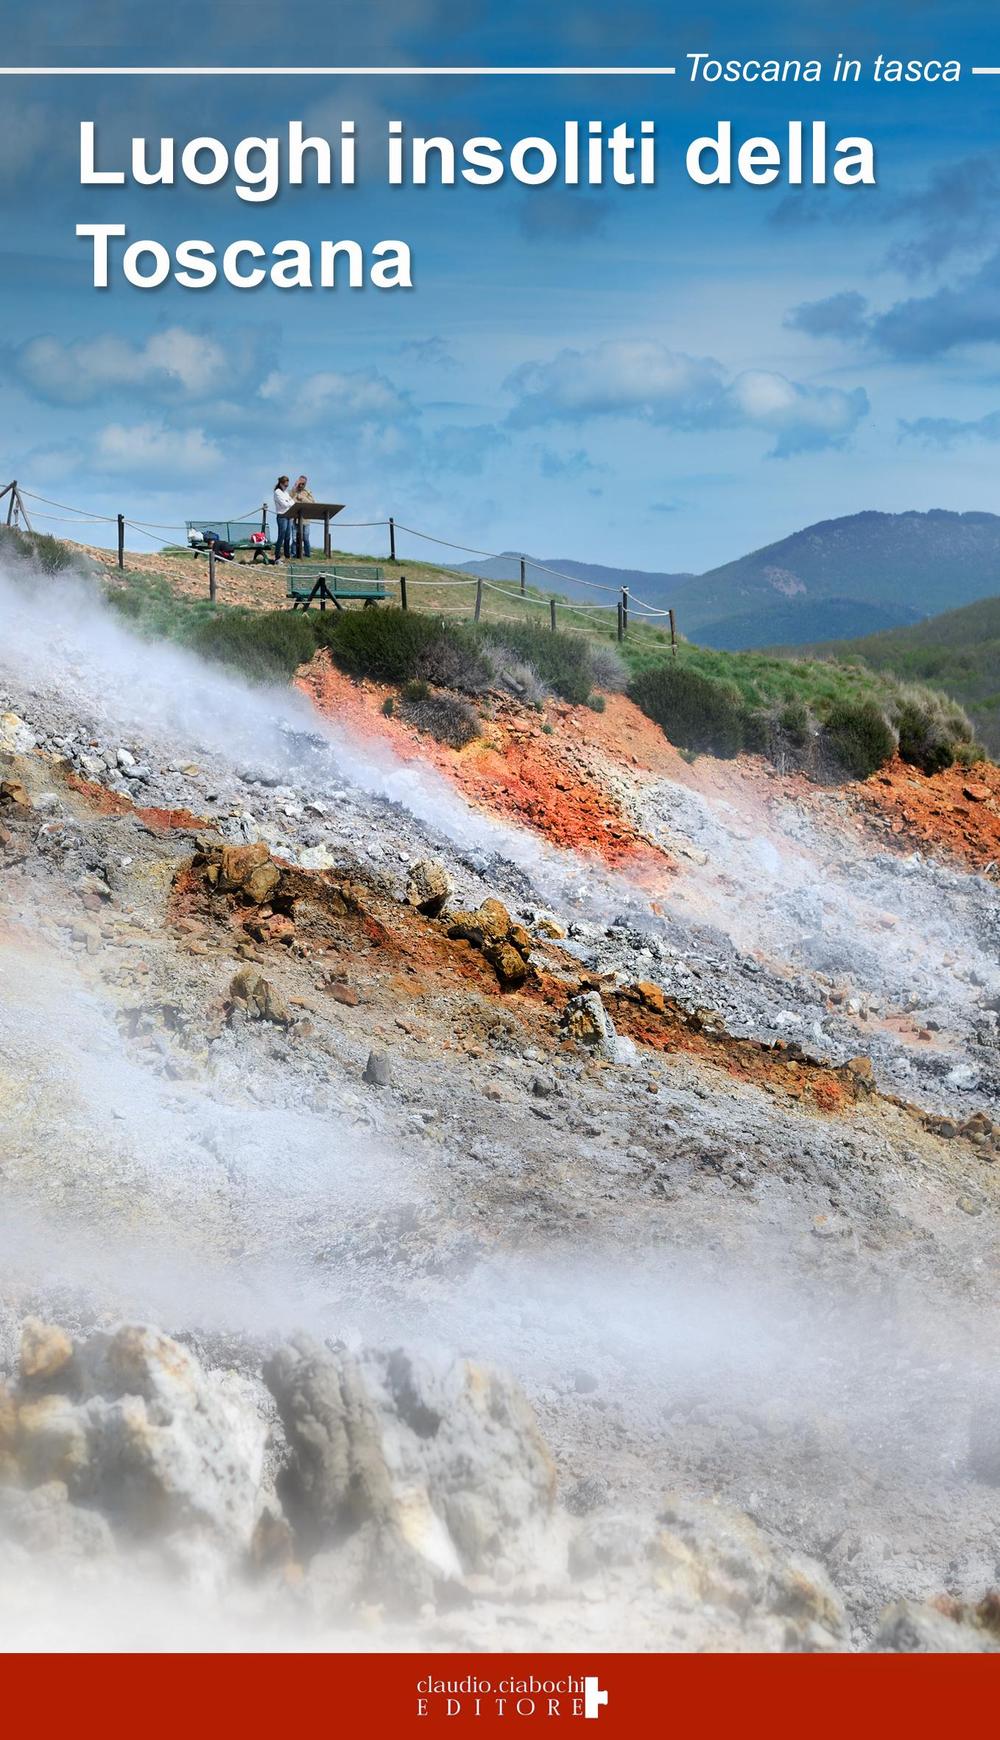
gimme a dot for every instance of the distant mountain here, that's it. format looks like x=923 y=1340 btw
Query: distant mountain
x=839 y=578
x=910 y=564
x=958 y=652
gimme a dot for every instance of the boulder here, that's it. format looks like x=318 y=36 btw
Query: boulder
x=411 y=1476
x=428 y=887
x=378 y=1070
x=588 y=1023
x=249 y=871
x=504 y=944
x=139 y=1432
x=510 y=967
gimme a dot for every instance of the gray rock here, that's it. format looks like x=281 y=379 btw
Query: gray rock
x=413 y=1476
x=377 y=1071
x=138 y=1430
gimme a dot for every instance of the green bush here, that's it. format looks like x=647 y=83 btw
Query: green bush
x=383 y=644
x=388 y=707
x=932 y=729
x=561 y=660
x=596 y=703
x=39 y=548
x=443 y=716
x=861 y=736
x=795 y=720
x=264 y=646
x=399 y=646
x=695 y=712
x=416 y=690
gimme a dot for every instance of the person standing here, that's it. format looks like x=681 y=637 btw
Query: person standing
x=302 y=492
x=284 y=502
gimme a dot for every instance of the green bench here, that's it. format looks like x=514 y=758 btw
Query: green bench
x=335 y=583
x=238 y=534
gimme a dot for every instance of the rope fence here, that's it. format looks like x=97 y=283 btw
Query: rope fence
x=626 y=605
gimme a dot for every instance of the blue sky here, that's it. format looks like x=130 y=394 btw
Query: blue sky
x=659 y=377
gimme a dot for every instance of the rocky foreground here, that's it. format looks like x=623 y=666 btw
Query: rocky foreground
x=547 y=1248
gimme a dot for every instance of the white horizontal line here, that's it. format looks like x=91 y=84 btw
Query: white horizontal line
x=987 y=69
x=304 y=72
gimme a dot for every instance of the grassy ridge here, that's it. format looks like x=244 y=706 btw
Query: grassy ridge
x=707 y=700
x=958 y=653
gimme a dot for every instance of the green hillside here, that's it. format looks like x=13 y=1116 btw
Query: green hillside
x=958 y=652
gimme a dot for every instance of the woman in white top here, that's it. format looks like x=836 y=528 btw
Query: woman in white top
x=284 y=501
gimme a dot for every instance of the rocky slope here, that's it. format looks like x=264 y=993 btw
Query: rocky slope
x=562 y=1178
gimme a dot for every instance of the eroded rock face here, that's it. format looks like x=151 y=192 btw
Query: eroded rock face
x=411 y=1477
x=130 y=1426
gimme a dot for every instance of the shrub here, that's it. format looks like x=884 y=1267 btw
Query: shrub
x=596 y=703
x=454 y=660
x=442 y=716
x=795 y=720
x=388 y=707
x=967 y=754
x=932 y=729
x=397 y=646
x=264 y=646
x=416 y=690
x=608 y=669
x=694 y=711
x=561 y=660
x=39 y=548
x=861 y=736
x=517 y=676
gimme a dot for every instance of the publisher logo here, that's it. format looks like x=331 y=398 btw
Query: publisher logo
x=516 y=1696
x=593 y=1697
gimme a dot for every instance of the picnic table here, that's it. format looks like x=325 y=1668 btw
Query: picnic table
x=333 y=583
x=313 y=510
x=238 y=534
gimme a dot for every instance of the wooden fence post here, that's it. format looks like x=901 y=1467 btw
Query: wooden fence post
x=552 y=614
x=522 y=576
x=621 y=621
x=402 y=590
x=624 y=610
x=121 y=540
x=479 y=600
x=392 y=539
x=673 y=634
x=211 y=572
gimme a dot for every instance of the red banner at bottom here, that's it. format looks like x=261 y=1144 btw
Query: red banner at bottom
x=602 y=1695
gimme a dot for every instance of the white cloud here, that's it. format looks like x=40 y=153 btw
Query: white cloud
x=641 y=379
x=151 y=449
x=361 y=397
x=174 y=363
